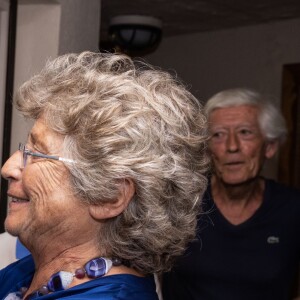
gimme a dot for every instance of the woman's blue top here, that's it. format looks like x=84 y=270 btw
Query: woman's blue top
x=124 y=286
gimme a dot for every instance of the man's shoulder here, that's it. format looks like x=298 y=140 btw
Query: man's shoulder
x=283 y=199
x=282 y=191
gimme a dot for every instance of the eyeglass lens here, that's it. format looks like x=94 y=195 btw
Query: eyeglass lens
x=24 y=155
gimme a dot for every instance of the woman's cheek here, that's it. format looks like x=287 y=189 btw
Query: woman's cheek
x=41 y=179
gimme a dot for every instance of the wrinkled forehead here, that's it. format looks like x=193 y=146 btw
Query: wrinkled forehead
x=243 y=114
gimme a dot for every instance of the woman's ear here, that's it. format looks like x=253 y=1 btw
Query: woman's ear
x=271 y=149
x=111 y=209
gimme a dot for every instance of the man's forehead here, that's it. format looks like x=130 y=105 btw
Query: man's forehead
x=246 y=112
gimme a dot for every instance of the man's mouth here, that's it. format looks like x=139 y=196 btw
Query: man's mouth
x=233 y=163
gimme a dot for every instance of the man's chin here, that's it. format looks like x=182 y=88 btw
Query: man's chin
x=237 y=181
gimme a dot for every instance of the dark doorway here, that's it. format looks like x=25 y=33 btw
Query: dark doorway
x=289 y=158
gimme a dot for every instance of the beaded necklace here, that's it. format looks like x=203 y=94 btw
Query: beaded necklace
x=61 y=280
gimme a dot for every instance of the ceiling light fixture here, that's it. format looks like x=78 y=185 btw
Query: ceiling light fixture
x=135 y=34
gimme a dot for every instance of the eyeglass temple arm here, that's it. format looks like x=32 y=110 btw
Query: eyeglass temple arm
x=51 y=157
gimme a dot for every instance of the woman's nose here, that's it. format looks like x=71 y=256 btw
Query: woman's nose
x=11 y=168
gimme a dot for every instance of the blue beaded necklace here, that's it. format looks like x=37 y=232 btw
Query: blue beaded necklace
x=60 y=281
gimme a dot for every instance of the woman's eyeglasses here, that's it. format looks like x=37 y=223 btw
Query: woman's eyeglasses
x=26 y=152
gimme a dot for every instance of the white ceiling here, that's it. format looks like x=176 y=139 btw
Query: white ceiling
x=190 y=16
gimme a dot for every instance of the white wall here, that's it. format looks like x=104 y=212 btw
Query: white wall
x=37 y=40
x=46 y=29
x=80 y=25
x=248 y=56
x=244 y=57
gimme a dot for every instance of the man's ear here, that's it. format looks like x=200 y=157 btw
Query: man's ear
x=111 y=209
x=271 y=149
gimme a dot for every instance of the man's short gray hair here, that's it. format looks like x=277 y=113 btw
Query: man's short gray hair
x=270 y=118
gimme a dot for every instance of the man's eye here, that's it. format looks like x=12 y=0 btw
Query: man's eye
x=245 y=131
x=247 y=134
x=217 y=135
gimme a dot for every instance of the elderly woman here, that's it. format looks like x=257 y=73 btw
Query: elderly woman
x=249 y=247
x=106 y=189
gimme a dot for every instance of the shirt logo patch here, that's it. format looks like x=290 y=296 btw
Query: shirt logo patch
x=273 y=240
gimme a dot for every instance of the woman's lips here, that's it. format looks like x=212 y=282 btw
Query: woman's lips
x=18 y=200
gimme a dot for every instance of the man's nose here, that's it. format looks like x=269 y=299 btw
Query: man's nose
x=232 y=142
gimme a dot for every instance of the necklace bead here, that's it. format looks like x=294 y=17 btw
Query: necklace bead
x=23 y=290
x=97 y=267
x=116 y=261
x=60 y=281
x=79 y=273
x=43 y=290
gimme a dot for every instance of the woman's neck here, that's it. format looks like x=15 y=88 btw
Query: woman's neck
x=62 y=259
x=70 y=260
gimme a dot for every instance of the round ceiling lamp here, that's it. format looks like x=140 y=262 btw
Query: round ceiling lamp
x=135 y=34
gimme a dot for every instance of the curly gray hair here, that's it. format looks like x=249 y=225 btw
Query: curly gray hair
x=270 y=119
x=123 y=119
